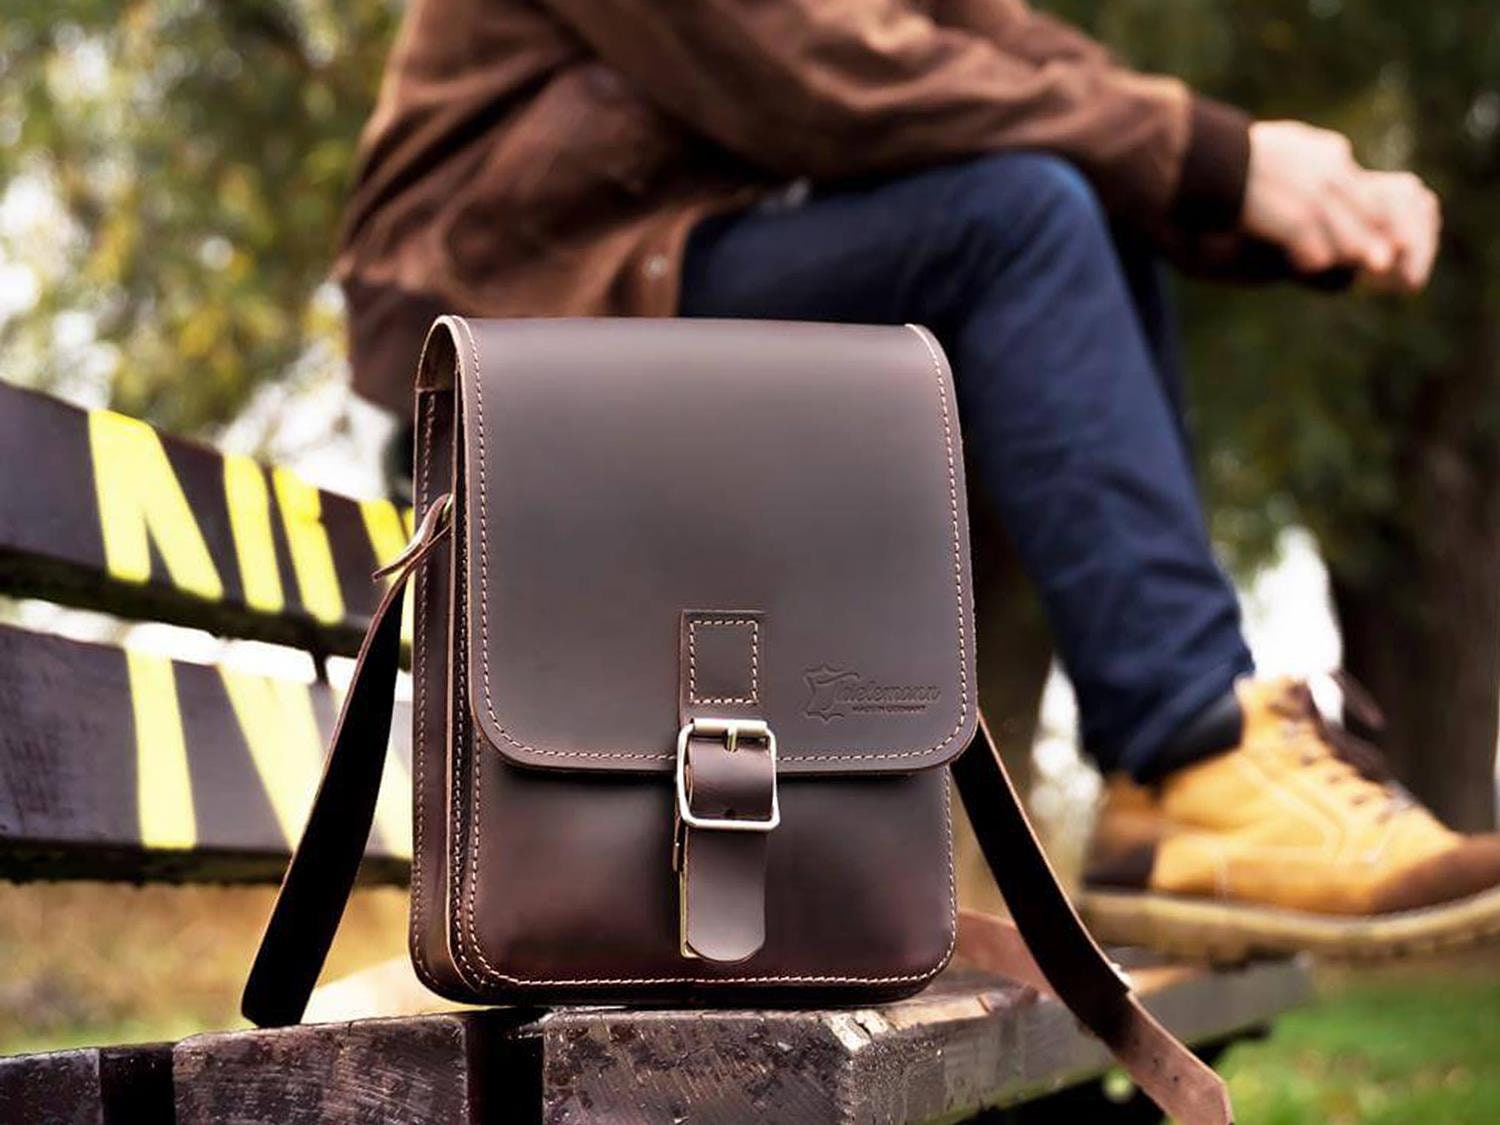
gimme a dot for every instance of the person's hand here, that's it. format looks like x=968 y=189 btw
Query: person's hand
x=1409 y=213
x=1306 y=193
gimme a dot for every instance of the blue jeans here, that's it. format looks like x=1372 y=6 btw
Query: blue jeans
x=1069 y=395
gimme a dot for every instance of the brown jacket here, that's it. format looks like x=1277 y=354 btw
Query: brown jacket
x=548 y=157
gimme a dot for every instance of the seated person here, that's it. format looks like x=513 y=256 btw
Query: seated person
x=983 y=169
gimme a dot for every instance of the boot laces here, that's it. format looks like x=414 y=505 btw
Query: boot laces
x=1354 y=767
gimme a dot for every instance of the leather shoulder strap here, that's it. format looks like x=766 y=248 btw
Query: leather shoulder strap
x=320 y=877
x=1053 y=944
x=1057 y=948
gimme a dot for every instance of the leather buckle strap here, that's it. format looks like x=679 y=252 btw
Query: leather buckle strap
x=727 y=806
x=726 y=803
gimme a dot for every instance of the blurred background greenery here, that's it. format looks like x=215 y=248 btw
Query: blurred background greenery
x=171 y=179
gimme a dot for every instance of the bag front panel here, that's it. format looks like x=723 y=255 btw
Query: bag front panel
x=560 y=884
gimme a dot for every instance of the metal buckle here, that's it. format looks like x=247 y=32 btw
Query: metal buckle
x=731 y=731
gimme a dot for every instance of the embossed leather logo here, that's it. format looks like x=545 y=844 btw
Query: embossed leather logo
x=836 y=693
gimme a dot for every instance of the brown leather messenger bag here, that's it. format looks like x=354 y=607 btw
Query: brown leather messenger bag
x=693 y=663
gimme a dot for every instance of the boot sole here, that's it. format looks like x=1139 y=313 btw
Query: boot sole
x=1228 y=933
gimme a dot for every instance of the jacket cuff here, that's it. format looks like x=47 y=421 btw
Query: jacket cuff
x=1211 y=189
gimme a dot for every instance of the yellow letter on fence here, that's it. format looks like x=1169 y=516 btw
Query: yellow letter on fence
x=388 y=531
x=281 y=729
x=140 y=501
x=249 y=502
x=164 y=788
x=312 y=557
x=276 y=717
x=383 y=525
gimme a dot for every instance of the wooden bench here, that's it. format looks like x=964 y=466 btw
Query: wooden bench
x=126 y=766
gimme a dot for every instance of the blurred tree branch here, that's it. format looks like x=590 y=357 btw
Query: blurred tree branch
x=193 y=156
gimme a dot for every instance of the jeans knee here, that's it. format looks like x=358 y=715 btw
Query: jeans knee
x=1022 y=197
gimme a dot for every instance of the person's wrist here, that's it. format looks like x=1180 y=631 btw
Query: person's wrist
x=1215 y=166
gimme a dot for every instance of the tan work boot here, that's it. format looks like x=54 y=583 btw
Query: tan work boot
x=1281 y=845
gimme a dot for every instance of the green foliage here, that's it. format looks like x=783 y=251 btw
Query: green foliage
x=1402 y=1051
x=1313 y=408
x=192 y=156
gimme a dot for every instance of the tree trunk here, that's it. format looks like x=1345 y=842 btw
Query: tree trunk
x=1438 y=682
x=1421 y=630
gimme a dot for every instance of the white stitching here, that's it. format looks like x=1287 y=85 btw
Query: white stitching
x=474 y=839
x=750 y=700
x=419 y=643
x=963 y=662
x=458 y=714
x=462 y=738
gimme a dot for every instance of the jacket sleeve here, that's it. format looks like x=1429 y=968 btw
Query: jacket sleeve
x=1211 y=185
x=838 y=88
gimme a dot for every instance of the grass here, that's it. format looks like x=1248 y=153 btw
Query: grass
x=83 y=964
x=93 y=963
x=1414 y=1045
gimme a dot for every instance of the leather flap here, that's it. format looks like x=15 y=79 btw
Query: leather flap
x=781 y=504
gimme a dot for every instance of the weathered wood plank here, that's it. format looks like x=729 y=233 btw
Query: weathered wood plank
x=93 y=1086
x=112 y=515
x=969 y=1042
x=459 y=1069
x=116 y=765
